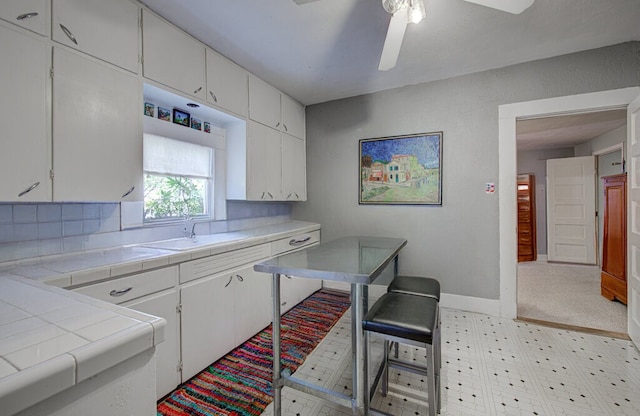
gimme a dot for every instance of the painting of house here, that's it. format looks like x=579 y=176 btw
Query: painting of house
x=401 y=170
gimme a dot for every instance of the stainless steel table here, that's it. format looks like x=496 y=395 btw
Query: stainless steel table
x=355 y=260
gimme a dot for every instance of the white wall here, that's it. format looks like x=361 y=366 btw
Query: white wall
x=458 y=242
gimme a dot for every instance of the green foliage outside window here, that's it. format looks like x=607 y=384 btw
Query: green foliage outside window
x=168 y=197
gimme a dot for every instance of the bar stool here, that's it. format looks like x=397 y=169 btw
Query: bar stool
x=411 y=320
x=415 y=285
x=421 y=286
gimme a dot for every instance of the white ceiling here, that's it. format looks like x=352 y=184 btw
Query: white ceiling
x=330 y=49
x=567 y=130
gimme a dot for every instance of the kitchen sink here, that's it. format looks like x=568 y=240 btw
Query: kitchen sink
x=187 y=243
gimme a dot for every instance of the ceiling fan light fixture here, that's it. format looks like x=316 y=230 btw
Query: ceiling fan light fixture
x=417 y=11
x=392 y=6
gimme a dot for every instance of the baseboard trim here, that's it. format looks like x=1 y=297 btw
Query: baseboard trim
x=470 y=304
x=542 y=258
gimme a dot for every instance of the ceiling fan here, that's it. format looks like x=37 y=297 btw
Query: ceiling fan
x=404 y=12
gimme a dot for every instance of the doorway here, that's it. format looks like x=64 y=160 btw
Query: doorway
x=566 y=292
x=508 y=114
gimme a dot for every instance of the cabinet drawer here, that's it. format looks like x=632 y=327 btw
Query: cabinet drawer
x=132 y=287
x=294 y=242
x=208 y=266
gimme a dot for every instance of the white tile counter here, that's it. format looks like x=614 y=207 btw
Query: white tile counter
x=52 y=339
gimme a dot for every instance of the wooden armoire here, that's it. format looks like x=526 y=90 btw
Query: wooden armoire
x=613 y=279
x=527 y=250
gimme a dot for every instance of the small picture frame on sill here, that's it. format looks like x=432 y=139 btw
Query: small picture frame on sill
x=207 y=127
x=164 y=114
x=149 y=109
x=196 y=124
x=181 y=117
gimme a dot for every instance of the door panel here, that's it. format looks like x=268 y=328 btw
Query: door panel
x=571 y=206
x=633 y=225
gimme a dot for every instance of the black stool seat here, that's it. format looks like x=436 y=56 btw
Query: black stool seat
x=408 y=317
x=414 y=285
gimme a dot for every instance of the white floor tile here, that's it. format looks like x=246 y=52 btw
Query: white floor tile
x=490 y=366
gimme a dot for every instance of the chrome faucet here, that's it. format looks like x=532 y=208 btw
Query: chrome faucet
x=186 y=233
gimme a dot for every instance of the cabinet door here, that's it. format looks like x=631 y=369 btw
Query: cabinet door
x=105 y=29
x=97 y=144
x=264 y=102
x=171 y=57
x=23 y=117
x=293 y=117
x=253 y=308
x=264 y=161
x=207 y=322
x=294 y=166
x=164 y=305
x=227 y=84
x=29 y=14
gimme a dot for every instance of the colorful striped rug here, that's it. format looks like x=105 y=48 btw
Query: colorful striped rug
x=240 y=383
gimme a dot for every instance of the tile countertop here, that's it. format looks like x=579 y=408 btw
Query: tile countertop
x=52 y=338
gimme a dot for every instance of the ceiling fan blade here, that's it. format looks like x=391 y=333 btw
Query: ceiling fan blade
x=392 y=43
x=303 y=1
x=509 y=6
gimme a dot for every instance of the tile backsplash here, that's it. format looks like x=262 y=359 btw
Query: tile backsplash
x=42 y=229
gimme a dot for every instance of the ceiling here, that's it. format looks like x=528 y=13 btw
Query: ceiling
x=330 y=49
x=567 y=130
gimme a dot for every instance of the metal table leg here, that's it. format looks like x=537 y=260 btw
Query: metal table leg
x=277 y=381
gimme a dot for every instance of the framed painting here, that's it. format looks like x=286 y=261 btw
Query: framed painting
x=401 y=170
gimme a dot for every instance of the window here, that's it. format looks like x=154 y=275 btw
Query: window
x=178 y=179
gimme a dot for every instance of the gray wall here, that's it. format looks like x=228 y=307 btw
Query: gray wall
x=457 y=242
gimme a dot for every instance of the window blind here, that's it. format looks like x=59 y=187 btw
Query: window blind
x=165 y=156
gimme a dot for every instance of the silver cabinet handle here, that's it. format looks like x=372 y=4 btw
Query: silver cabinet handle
x=285 y=127
x=198 y=90
x=29 y=189
x=27 y=15
x=215 y=99
x=294 y=242
x=68 y=33
x=289 y=196
x=128 y=192
x=240 y=278
x=297 y=196
x=229 y=282
x=270 y=195
x=278 y=125
x=120 y=292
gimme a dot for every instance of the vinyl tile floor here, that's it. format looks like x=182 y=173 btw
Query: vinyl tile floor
x=490 y=366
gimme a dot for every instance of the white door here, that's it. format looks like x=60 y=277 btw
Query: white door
x=571 y=207
x=633 y=230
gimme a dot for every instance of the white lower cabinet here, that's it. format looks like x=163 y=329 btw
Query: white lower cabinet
x=206 y=322
x=253 y=306
x=168 y=352
x=219 y=313
x=153 y=292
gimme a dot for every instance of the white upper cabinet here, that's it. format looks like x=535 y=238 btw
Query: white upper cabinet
x=24 y=160
x=29 y=14
x=293 y=117
x=107 y=30
x=294 y=169
x=97 y=142
x=264 y=163
x=269 y=106
x=227 y=84
x=171 y=57
x=264 y=103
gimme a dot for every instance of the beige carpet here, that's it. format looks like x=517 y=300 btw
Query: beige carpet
x=569 y=295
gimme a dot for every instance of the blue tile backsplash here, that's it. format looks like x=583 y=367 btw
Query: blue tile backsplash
x=32 y=230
